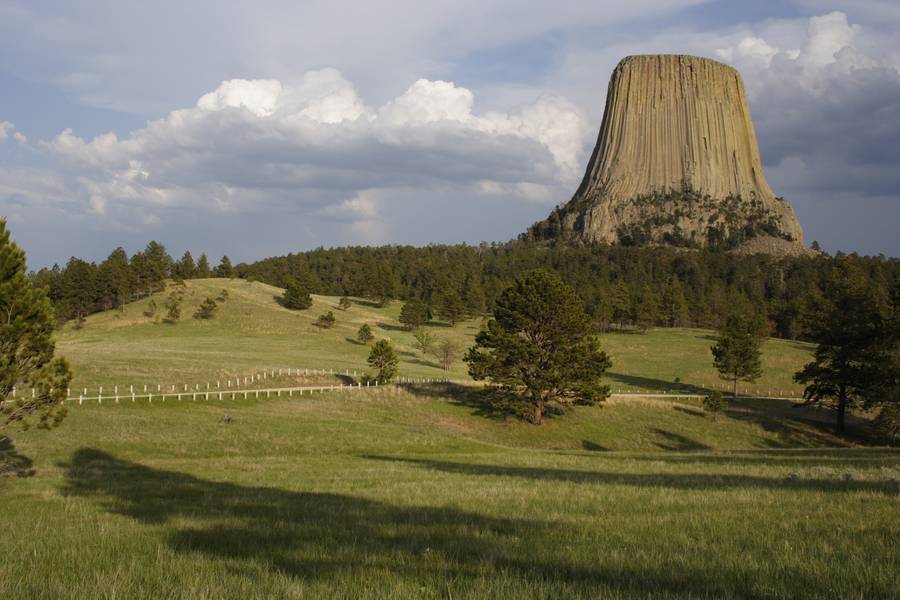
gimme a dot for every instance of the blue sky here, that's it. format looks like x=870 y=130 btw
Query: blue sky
x=260 y=130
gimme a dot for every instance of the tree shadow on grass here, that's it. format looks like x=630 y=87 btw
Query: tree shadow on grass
x=483 y=401
x=690 y=411
x=339 y=538
x=797 y=425
x=654 y=385
x=391 y=326
x=678 y=481
x=593 y=446
x=11 y=462
x=838 y=459
x=676 y=441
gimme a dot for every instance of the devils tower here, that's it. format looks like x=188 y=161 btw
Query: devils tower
x=677 y=163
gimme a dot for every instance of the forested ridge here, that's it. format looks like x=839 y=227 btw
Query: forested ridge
x=621 y=286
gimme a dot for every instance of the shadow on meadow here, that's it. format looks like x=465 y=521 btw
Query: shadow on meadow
x=327 y=536
x=836 y=459
x=11 y=462
x=482 y=401
x=678 y=481
x=650 y=385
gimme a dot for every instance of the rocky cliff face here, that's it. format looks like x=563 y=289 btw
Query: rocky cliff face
x=676 y=162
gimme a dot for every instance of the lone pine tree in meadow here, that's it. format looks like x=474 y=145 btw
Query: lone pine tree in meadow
x=207 y=309
x=326 y=321
x=173 y=308
x=736 y=353
x=384 y=360
x=539 y=347
x=296 y=296
x=26 y=347
x=858 y=333
x=365 y=335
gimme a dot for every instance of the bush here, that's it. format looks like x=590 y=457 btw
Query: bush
x=207 y=309
x=326 y=321
x=384 y=360
x=365 y=335
x=296 y=296
x=887 y=423
x=714 y=403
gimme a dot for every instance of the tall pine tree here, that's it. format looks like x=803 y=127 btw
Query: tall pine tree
x=26 y=347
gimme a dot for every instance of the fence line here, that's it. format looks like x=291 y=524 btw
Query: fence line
x=230 y=386
x=290 y=391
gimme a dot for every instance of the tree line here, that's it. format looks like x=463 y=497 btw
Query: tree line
x=81 y=287
x=622 y=287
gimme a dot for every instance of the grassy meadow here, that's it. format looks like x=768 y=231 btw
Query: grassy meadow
x=422 y=490
x=252 y=332
x=402 y=493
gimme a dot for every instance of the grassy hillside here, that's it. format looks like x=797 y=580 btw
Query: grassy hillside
x=394 y=493
x=422 y=490
x=253 y=332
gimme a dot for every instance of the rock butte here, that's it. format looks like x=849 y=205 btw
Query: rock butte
x=676 y=162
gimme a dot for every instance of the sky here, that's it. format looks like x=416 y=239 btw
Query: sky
x=259 y=129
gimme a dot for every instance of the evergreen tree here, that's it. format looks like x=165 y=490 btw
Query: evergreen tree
x=736 y=354
x=185 y=268
x=80 y=288
x=225 y=269
x=26 y=347
x=173 y=308
x=645 y=311
x=158 y=266
x=344 y=303
x=602 y=311
x=414 y=313
x=384 y=360
x=621 y=303
x=203 y=270
x=855 y=362
x=326 y=321
x=116 y=280
x=451 y=307
x=473 y=296
x=296 y=296
x=207 y=309
x=539 y=346
x=675 y=306
x=365 y=335
x=714 y=403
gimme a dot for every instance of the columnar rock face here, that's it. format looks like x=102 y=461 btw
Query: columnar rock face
x=676 y=162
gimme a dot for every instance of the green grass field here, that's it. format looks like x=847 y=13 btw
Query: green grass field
x=252 y=332
x=390 y=493
x=422 y=490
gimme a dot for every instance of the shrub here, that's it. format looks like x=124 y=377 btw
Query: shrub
x=207 y=309
x=714 y=403
x=384 y=360
x=326 y=321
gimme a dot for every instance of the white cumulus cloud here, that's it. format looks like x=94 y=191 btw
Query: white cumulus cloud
x=257 y=145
